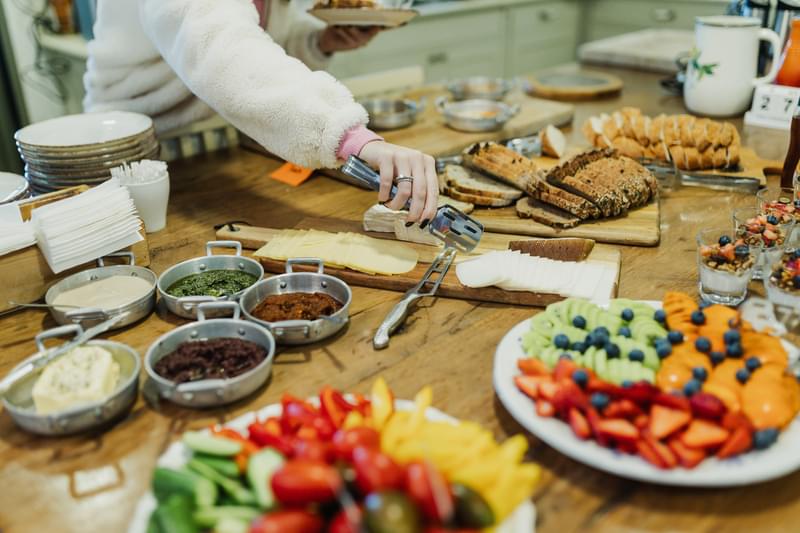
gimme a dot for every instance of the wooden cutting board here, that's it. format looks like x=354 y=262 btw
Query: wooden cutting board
x=255 y=237
x=751 y=165
x=430 y=134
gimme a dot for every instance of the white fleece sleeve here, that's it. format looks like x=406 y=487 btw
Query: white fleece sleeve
x=219 y=51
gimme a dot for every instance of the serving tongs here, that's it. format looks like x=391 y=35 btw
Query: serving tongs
x=670 y=175
x=527 y=146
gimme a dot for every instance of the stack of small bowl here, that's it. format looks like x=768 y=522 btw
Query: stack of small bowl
x=82 y=149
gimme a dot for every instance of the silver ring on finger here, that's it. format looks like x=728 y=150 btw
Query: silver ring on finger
x=400 y=179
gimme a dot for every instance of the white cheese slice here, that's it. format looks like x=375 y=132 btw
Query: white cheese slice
x=480 y=271
x=414 y=234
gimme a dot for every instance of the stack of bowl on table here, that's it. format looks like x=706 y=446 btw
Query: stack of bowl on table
x=82 y=149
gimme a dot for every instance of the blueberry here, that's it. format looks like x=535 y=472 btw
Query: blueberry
x=765 y=438
x=600 y=340
x=579 y=322
x=675 y=337
x=612 y=350
x=796 y=254
x=578 y=347
x=741 y=251
x=702 y=344
x=717 y=358
x=796 y=281
x=692 y=386
x=566 y=356
x=602 y=330
x=625 y=331
x=627 y=384
x=752 y=363
x=580 y=377
x=660 y=316
x=772 y=219
x=733 y=323
x=636 y=355
x=742 y=375
x=699 y=373
x=561 y=341
x=627 y=314
x=724 y=240
x=698 y=318
x=663 y=350
x=599 y=400
x=732 y=336
x=589 y=340
x=734 y=350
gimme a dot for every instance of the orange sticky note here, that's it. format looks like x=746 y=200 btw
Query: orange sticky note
x=292 y=174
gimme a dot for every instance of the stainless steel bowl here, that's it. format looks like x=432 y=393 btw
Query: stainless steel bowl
x=18 y=401
x=211 y=392
x=89 y=317
x=300 y=331
x=476 y=115
x=387 y=114
x=186 y=306
x=480 y=87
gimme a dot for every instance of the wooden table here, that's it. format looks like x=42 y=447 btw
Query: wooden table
x=92 y=482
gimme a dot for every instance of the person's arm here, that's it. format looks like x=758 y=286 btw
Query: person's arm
x=219 y=51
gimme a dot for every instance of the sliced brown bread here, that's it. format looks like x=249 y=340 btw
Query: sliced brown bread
x=476 y=199
x=543 y=213
x=464 y=207
x=467 y=181
x=565 y=200
x=580 y=176
x=502 y=163
x=567 y=249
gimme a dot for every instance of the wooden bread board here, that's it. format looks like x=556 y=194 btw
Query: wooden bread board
x=25 y=273
x=254 y=237
x=750 y=166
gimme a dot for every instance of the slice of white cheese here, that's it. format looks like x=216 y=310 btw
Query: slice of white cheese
x=414 y=234
x=84 y=375
x=480 y=271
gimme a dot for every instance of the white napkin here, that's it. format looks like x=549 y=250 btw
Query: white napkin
x=14 y=233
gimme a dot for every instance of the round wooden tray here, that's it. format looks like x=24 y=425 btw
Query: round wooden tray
x=583 y=85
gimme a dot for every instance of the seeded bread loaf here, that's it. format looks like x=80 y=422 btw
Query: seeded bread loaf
x=466 y=181
x=503 y=164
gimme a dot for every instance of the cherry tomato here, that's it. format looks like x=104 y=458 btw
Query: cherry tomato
x=347 y=521
x=376 y=471
x=312 y=450
x=346 y=440
x=427 y=488
x=294 y=521
x=324 y=428
x=300 y=481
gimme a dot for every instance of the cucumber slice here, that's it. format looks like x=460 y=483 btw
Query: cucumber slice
x=175 y=515
x=204 y=443
x=601 y=363
x=260 y=469
x=238 y=492
x=231 y=525
x=589 y=357
x=614 y=371
x=226 y=467
x=211 y=516
x=167 y=482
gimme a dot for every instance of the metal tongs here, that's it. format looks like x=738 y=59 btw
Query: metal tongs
x=527 y=146
x=455 y=229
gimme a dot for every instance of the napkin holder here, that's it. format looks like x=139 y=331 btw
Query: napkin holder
x=25 y=274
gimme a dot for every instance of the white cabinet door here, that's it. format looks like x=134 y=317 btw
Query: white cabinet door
x=542 y=35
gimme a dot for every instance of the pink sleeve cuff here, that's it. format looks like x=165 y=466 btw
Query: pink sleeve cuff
x=354 y=140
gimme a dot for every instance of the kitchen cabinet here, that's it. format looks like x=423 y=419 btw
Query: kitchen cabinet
x=542 y=35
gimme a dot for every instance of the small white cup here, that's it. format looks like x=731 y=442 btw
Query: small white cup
x=151 y=201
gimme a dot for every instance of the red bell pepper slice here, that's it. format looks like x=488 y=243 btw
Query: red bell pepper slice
x=334 y=406
x=266 y=439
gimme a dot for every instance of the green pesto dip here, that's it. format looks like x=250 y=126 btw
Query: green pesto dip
x=212 y=283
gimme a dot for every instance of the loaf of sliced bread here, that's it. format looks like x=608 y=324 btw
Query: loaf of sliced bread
x=502 y=163
x=566 y=249
x=547 y=214
x=467 y=181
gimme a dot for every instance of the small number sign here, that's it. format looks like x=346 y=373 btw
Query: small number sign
x=773 y=106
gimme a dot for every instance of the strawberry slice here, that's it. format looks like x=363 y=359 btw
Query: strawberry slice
x=705 y=405
x=594 y=423
x=627 y=447
x=547 y=390
x=641 y=392
x=688 y=457
x=579 y=424
x=641 y=421
x=664 y=421
x=675 y=401
x=647 y=453
x=545 y=408
x=569 y=395
x=740 y=441
x=618 y=429
x=532 y=367
x=564 y=368
x=596 y=384
x=667 y=457
x=704 y=434
x=624 y=408
x=529 y=385
x=732 y=420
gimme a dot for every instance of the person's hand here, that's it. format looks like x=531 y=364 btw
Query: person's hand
x=339 y=38
x=393 y=160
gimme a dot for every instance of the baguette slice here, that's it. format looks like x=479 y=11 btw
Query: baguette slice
x=478 y=200
x=543 y=213
x=466 y=181
x=554 y=143
x=567 y=249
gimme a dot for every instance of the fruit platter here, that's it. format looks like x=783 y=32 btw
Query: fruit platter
x=341 y=463
x=678 y=394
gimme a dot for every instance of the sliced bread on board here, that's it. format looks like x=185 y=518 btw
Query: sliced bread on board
x=543 y=213
x=466 y=181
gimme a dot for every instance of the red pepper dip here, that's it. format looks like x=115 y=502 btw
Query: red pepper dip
x=296 y=306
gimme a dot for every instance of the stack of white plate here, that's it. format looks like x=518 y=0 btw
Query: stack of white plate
x=82 y=149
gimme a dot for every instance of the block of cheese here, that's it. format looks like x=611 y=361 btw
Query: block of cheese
x=413 y=233
x=381 y=219
x=351 y=250
x=85 y=375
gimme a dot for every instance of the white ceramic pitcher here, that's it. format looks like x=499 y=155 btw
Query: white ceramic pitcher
x=721 y=74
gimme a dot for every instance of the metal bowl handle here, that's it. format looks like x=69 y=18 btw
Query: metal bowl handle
x=441 y=103
x=201 y=385
x=218 y=306
x=188 y=302
x=305 y=261
x=86 y=313
x=127 y=255
x=279 y=329
x=210 y=245
x=512 y=112
x=70 y=329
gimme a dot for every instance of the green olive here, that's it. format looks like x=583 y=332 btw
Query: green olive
x=390 y=512
x=472 y=511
